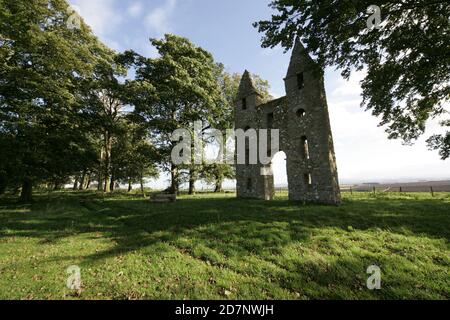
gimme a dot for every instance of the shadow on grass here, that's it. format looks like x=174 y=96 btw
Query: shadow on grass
x=281 y=242
x=245 y=226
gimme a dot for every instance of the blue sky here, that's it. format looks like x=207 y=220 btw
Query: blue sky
x=224 y=28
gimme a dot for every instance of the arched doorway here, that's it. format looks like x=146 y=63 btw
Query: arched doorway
x=280 y=175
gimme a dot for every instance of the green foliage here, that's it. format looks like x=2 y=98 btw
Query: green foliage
x=184 y=84
x=129 y=248
x=407 y=60
x=133 y=156
x=61 y=103
x=441 y=142
x=216 y=174
x=173 y=91
x=42 y=67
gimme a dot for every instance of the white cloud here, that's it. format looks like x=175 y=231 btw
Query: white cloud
x=349 y=88
x=135 y=9
x=100 y=15
x=363 y=150
x=158 y=19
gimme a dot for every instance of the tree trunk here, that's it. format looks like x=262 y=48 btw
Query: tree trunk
x=142 y=185
x=75 y=183
x=218 y=187
x=26 y=195
x=191 y=182
x=101 y=169
x=100 y=178
x=82 y=180
x=130 y=185
x=174 y=179
x=106 y=187
x=57 y=185
x=88 y=183
x=107 y=146
x=2 y=182
x=112 y=184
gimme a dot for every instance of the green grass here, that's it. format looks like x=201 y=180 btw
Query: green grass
x=218 y=247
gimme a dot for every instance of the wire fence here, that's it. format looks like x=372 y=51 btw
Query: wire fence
x=398 y=189
x=387 y=189
x=374 y=189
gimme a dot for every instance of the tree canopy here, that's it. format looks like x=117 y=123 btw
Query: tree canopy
x=184 y=89
x=42 y=67
x=407 y=57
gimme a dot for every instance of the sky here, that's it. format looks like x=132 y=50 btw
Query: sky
x=224 y=28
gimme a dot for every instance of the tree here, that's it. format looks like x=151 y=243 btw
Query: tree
x=173 y=91
x=216 y=174
x=407 y=57
x=441 y=142
x=134 y=158
x=42 y=65
x=103 y=107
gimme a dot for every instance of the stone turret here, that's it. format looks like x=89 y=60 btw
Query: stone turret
x=305 y=134
x=311 y=163
x=246 y=86
x=250 y=182
x=248 y=96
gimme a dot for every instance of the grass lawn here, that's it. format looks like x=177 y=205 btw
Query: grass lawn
x=218 y=247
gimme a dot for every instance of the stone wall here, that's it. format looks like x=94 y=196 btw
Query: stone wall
x=305 y=135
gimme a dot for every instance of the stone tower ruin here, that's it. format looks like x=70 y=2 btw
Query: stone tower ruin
x=305 y=135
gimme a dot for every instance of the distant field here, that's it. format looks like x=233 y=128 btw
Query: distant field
x=423 y=186
x=217 y=247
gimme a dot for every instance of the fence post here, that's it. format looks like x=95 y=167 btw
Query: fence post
x=351 y=190
x=374 y=190
x=432 y=192
x=400 y=189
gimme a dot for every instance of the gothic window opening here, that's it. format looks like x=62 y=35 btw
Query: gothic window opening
x=300 y=81
x=308 y=179
x=244 y=104
x=247 y=154
x=270 y=120
x=300 y=113
x=249 y=184
x=305 y=148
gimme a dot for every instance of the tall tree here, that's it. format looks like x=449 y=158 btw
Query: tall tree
x=407 y=56
x=134 y=158
x=217 y=173
x=43 y=62
x=173 y=91
x=104 y=110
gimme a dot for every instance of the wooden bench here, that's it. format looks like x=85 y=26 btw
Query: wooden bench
x=163 y=197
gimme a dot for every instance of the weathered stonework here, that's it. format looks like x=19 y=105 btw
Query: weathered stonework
x=305 y=135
